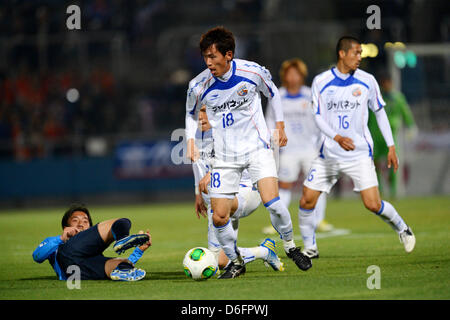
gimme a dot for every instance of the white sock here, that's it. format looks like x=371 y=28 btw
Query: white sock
x=227 y=239
x=389 y=215
x=307 y=224
x=280 y=218
x=251 y=254
x=285 y=196
x=288 y=244
x=321 y=205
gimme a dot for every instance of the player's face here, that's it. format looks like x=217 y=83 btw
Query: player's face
x=352 y=58
x=293 y=78
x=203 y=119
x=79 y=220
x=216 y=62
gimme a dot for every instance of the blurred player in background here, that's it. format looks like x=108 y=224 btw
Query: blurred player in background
x=82 y=245
x=302 y=132
x=230 y=89
x=398 y=113
x=342 y=97
x=245 y=202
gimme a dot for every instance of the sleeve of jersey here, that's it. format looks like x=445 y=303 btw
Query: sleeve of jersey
x=191 y=114
x=376 y=101
x=46 y=248
x=270 y=90
x=269 y=118
x=197 y=172
x=318 y=113
x=385 y=128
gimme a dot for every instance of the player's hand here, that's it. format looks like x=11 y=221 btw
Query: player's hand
x=204 y=183
x=200 y=208
x=392 y=159
x=280 y=135
x=68 y=233
x=345 y=142
x=146 y=245
x=192 y=150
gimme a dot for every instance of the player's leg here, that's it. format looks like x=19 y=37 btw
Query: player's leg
x=262 y=169
x=320 y=179
x=365 y=181
x=287 y=175
x=119 y=230
x=123 y=270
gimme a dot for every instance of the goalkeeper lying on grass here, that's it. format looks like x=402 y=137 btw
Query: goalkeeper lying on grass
x=82 y=245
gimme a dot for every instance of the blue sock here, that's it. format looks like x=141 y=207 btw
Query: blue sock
x=121 y=228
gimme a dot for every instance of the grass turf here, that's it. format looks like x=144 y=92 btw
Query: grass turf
x=339 y=273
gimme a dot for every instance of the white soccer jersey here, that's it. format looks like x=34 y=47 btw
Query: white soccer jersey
x=234 y=109
x=300 y=128
x=343 y=102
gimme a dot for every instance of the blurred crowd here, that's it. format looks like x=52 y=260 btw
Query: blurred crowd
x=51 y=100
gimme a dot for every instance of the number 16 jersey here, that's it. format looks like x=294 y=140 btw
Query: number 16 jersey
x=343 y=101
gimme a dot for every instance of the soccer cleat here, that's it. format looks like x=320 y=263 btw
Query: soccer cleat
x=311 y=253
x=130 y=241
x=408 y=239
x=272 y=258
x=233 y=270
x=302 y=261
x=132 y=274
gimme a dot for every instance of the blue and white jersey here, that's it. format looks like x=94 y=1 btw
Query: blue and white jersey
x=343 y=102
x=300 y=128
x=233 y=107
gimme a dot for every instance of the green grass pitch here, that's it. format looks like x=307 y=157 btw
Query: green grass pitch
x=339 y=273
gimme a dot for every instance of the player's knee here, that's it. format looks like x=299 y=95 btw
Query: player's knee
x=307 y=203
x=220 y=219
x=373 y=205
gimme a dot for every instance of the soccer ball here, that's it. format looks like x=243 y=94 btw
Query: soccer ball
x=200 y=263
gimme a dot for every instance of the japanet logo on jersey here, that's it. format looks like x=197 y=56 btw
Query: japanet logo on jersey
x=343 y=105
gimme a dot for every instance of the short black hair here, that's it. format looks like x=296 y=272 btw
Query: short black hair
x=221 y=37
x=345 y=43
x=74 y=208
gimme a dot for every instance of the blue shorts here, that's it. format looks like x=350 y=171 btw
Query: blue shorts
x=85 y=250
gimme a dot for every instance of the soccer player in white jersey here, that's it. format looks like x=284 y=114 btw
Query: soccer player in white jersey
x=245 y=202
x=230 y=89
x=301 y=130
x=342 y=97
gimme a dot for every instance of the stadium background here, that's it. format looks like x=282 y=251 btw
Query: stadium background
x=87 y=115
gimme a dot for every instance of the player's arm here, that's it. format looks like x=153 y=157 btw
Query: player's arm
x=270 y=90
x=46 y=248
x=345 y=142
x=377 y=106
x=192 y=108
x=200 y=208
x=385 y=128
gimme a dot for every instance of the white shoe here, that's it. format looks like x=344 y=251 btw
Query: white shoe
x=408 y=239
x=311 y=253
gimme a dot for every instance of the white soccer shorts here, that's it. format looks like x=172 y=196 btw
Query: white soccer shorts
x=292 y=163
x=324 y=174
x=226 y=176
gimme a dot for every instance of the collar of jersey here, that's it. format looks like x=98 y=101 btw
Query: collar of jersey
x=339 y=82
x=232 y=73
